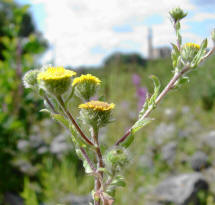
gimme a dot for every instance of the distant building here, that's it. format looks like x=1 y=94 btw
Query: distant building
x=156 y=53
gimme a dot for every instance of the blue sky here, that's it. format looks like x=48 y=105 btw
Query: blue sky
x=83 y=32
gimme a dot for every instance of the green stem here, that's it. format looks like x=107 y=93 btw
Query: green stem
x=100 y=164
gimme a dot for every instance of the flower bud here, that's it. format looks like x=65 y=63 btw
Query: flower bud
x=189 y=51
x=177 y=14
x=85 y=86
x=30 y=79
x=96 y=113
x=117 y=156
x=55 y=80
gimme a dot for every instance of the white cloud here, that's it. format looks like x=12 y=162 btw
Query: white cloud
x=77 y=26
x=202 y=17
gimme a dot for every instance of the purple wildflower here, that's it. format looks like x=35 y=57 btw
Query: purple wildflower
x=136 y=79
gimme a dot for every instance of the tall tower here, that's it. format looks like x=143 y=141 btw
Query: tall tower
x=150 y=46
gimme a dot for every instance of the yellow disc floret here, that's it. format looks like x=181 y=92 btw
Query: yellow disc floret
x=55 y=73
x=97 y=106
x=86 y=78
x=192 y=45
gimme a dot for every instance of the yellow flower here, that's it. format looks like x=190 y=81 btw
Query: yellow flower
x=97 y=106
x=86 y=78
x=189 y=51
x=55 y=73
x=55 y=80
x=96 y=113
x=192 y=45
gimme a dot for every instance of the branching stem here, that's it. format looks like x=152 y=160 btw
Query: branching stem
x=68 y=114
x=169 y=86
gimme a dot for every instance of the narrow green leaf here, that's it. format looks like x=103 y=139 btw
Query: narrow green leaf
x=70 y=96
x=157 y=86
x=128 y=141
x=139 y=124
x=45 y=111
x=87 y=167
x=119 y=181
x=151 y=101
x=183 y=80
x=174 y=55
x=200 y=53
x=75 y=137
x=61 y=119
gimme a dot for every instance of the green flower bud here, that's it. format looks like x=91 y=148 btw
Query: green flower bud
x=55 y=80
x=85 y=86
x=177 y=14
x=117 y=156
x=96 y=113
x=30 y=79
x=189 y=51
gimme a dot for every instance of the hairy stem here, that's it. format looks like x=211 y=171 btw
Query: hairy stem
x=210 y=52
x=50 y=104
x=68 y=114
x=177 y=40
x=100 y=164
x=169 y=86
x=88 y=159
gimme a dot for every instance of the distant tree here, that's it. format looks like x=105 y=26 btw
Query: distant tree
x=127 y=59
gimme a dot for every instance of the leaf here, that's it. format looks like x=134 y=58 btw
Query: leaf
x=151 y=101
x=75 y=137
x=139 y=124
x=183 y=80
x=70 y=96
x=65 y=122
x=119 y=181
x=128 y=141
x=46 y=111
x=157 y=86
x=174 y=55
x=200 y=53
x=61 y=119
x=87 y=167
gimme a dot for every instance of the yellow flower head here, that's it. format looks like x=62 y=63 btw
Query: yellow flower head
x=86 y=78
x=189 y=51
x=192 y=45
x=55 y=73
x=97 y=106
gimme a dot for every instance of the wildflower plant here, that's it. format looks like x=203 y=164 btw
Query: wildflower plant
x=57 y=86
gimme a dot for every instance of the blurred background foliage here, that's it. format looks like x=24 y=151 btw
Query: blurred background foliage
x=37 y=160
x=20 y=47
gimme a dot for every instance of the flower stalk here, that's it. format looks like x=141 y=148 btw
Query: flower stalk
x=69 y=115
